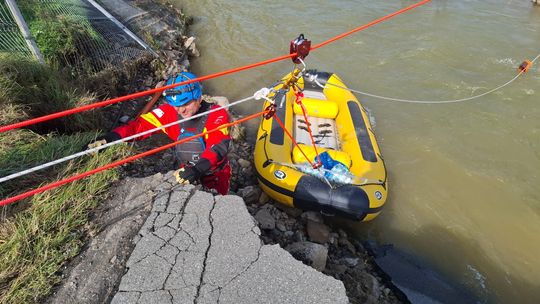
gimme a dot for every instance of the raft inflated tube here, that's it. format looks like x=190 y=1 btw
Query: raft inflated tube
x=340 y=127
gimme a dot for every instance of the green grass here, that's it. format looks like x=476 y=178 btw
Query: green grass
x=65 y=40
x=28 y=89
x=36 y=242
x=41 y=233
x=21 y=149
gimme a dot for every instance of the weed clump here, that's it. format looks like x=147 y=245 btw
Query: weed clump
x=28 y=90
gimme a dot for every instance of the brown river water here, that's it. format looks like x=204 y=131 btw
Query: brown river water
x=463 y=177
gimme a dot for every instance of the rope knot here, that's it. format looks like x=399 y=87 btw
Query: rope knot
x=262 y=93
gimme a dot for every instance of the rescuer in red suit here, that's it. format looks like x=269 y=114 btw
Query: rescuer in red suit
x=203 y=159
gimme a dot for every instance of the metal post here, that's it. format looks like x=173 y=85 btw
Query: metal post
x=125 y=29
x=24 y=30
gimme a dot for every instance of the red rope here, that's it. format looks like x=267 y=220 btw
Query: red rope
x=134 y=95
x=120 y=162
x=294 y=141
x=365 y=26
x=148 y=92
x=299 y=96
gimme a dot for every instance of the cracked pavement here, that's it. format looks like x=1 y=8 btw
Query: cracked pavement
x=197 y=248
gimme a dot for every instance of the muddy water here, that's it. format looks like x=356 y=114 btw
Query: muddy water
x=463 y=177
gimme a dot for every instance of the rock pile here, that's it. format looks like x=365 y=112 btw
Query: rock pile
x=309 y=239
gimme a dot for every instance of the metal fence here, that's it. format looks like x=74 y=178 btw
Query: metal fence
x=11 y=39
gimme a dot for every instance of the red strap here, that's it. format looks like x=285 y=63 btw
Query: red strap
x=299 y=96
x=294 y=141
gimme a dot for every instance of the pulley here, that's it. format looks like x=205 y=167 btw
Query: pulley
x=300 y=46
x=270 y=111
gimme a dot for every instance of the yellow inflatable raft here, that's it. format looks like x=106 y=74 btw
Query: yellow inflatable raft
x=339 y=126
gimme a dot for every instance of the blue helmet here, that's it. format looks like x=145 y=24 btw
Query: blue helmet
x=181 y=95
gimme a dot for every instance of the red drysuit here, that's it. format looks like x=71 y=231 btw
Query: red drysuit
x=212 y=147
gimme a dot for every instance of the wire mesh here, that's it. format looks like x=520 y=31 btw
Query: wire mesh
x=11 y=39
x=98 y=43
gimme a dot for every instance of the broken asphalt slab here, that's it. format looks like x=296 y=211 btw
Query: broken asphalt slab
x=198 y=248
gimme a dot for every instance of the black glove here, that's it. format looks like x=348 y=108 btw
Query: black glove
x=103 y=139
x=191 y=174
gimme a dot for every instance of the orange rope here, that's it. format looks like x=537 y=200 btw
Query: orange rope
x=365 y=26
x=294 y=141
x=132 y=96
x=299 y=96
x=121 y=162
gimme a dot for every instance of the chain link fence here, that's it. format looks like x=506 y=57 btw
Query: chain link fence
x=72 y=34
